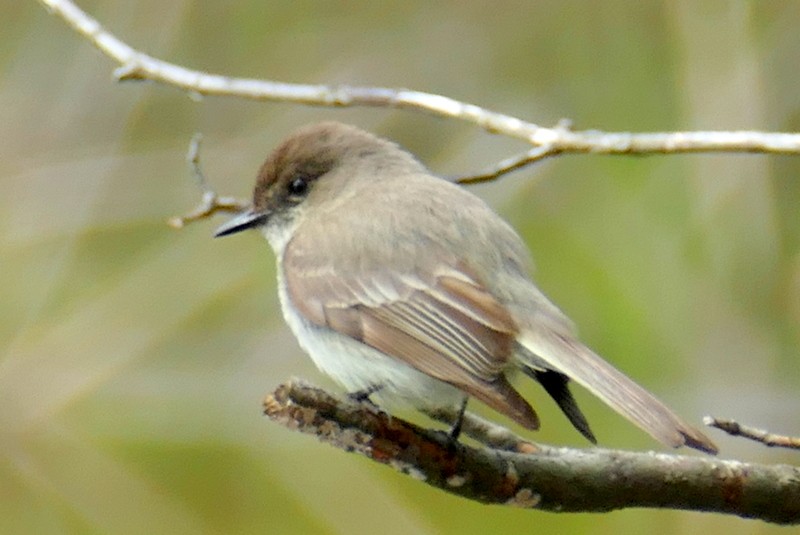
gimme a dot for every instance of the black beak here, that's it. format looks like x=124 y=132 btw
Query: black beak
x=246 y=220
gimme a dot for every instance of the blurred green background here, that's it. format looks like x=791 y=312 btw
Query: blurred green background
x=133 y=357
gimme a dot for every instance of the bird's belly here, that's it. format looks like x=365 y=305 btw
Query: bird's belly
x=358 y=367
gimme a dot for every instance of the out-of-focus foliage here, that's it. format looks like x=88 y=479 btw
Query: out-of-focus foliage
x=133 y=357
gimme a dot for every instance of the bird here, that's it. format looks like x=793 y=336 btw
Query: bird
x=401 y=284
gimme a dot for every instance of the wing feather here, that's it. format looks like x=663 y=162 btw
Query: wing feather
x=442 y=324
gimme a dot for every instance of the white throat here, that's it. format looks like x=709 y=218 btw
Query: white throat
x=278 y=233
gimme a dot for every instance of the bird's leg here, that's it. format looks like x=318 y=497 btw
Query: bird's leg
x=455 y=431
x=362 y=396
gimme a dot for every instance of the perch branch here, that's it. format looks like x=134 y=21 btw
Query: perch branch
x=484 y=431
x=551 y=479
x=136 y=65
x=734 y=428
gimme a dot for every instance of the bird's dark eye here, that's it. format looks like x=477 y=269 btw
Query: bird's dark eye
x=298 y=187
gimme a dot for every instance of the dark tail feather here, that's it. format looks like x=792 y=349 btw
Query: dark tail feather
x=556 y=384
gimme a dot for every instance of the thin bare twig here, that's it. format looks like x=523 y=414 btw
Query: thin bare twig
x=135 y=65
x=210 y=202
x=551 y=479
x=193 y=160
x=734 y=428
x=510 y=164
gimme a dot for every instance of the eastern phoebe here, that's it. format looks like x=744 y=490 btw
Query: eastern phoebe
x=401 y=283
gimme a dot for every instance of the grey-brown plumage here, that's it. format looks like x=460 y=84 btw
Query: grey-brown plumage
x=394 y=279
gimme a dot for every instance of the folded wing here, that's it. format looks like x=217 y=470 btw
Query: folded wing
x=442 y=324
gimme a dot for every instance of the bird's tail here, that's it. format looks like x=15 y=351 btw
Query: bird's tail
x=562 y=353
